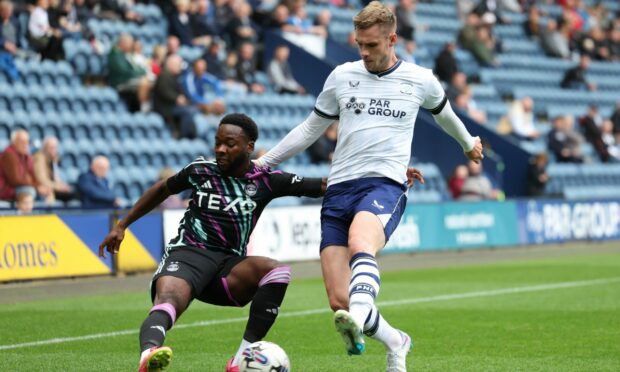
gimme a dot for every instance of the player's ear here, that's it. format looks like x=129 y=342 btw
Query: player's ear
x=250 y=147
x=393 y=39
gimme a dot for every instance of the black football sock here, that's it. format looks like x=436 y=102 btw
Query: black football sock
x=154 y=327
x=264 y=310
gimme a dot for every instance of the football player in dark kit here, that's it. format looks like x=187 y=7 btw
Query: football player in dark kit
x=207 y=260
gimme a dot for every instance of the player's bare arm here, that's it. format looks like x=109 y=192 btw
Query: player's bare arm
x=153 y=197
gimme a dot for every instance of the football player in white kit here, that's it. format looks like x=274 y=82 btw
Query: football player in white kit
x=376 y=100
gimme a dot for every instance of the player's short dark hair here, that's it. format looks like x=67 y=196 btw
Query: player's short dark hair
x=245 y=122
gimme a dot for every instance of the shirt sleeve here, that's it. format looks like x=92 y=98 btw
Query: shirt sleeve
x=179 y=181
x=327 y=102
x=288 y=184
x=435 y=97
x=296 y=140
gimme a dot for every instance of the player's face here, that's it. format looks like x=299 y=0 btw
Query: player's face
x=376 y=47
x=232 y=149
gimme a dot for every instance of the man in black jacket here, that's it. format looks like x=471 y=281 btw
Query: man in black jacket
x=170 y=102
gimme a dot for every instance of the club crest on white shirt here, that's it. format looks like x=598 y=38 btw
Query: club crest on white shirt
x=406 y=88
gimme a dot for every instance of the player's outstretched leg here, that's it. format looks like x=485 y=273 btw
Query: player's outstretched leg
x=264 y=309
x=156 y=357
x=363 y=290
x=397 y=343
x=171 y=297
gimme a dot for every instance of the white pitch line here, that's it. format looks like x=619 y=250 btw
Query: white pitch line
x=447 y=297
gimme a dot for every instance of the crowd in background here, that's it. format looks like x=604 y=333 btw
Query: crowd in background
x=229 y=33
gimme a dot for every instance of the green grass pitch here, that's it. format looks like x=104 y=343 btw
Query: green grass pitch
x=535 y=315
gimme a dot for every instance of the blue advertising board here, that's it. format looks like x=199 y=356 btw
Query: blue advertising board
x=559 y=220
x=427 y=227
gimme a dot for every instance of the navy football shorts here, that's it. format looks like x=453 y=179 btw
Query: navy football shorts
x=378 y=195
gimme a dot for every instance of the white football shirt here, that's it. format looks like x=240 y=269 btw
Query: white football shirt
x=377 y=113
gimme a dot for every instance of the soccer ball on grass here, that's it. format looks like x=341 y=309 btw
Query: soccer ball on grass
x=264 y=356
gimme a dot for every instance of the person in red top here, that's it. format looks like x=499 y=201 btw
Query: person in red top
x=17 y=170
x=456 y=180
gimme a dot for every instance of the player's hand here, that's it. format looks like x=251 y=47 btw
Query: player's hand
x=414 y=174
x=476 y=154
x=112 y=242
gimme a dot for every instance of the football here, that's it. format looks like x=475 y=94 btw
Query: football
x=264 y=356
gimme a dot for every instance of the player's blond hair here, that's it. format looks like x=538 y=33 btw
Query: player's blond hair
x=375 y=13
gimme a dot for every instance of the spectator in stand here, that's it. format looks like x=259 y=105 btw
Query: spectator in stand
x=63 y=16
x=555 y=43
x=405 y=11
x=203 y=89
x=614 y=44
x=474 y=38
x=457 y=86
x=138 y=59
x=521 y=117
x=477 y=185
x=322 y=151
x=280 y=73
x=595 y=45
x=564 y=142
x=179 y=23
x=24 y=203
x=46 y=172
x=94 y=186
x=607 y=135
x=537 y=176
x=9 y=40
x=223 y=13
x=466 y=103
x=351 y=43
x=408 y=54
x=83 y=11
x=202 y=23
x=17 y=169
x=174 y=201
x=157 y=59
x=575 y=78
x=279 y=19
x=43 y=38
x=170 y=102
x=215 y=65
x=128 y=79
x=456 y=180
x=172 y=45
x=446 y=64
x=591 y=125
x=117 y=10
x=246 y=69
x=323 y=19
x=531 y=26
x=240 y=29
x=615 y=120
x=298 y=19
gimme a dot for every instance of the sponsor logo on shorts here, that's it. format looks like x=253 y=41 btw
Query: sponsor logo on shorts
x=251 y=189
x=173 y=266
x=376 y=204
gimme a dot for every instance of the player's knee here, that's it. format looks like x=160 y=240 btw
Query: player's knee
x=359 y=244
x=275 y=272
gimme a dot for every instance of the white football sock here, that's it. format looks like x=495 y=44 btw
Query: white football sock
x=378 y=328
x=364 y=286
x=239 y=355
